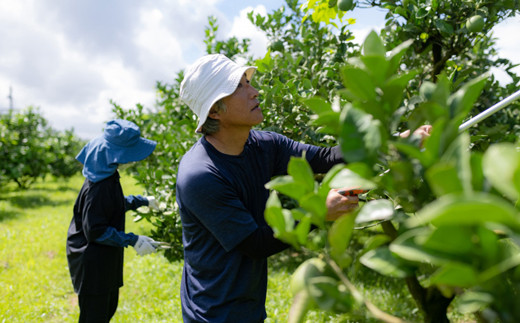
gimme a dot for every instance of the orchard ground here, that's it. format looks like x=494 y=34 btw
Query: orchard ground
x=35 y=285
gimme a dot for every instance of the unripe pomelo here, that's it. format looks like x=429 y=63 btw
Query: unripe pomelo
x=475 y=24
x=345 y=5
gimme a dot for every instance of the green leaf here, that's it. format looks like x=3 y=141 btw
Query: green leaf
x=443 y=179
x=301 y=304
x=314 y=204
x=375 y=210
x=377 y=66
x=488 y=242
x=429 y=111
x=265 y=64
x=393 y=90
x=359 y=83
x=373 y=45
x=406 y=246
x=360 y=136
x=346 y=178
x=456 y=240
x=458 y=154
x=421 y=13
x=329 y=122
x=273 y=213
x=413 y=151
x=477 y=178
x=472 y=301
x=318 y=105
x=461 y=102
x=302 y=229
x=501 y=166
x=376 y=241
x=474 y=209
x=455 y=274
x=395 y=55
x=339 y=235
x=287 y=186
x=331 y=174
x=302 y=173
x=500 y=268
x=444 y=27
x=382 y=261
x=329 y=295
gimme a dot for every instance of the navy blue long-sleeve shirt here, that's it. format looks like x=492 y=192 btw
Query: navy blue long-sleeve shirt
x=226 y=240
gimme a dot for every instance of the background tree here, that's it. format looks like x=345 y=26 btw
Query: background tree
x=30 y=149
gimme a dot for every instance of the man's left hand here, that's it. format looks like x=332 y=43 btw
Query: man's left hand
x=422 y=132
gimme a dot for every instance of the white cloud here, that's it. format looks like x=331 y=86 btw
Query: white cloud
x=71 y=57
x=243 y=28
x=508 y=46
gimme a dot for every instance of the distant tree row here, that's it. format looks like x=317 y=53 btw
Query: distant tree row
x=30 y=149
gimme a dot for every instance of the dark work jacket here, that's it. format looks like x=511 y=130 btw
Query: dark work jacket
x=96 y=268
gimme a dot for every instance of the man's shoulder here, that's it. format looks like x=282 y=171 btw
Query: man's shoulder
x=197 y=164
x=266 y=137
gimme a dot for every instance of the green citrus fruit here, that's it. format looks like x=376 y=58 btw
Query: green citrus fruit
x=475 y=24
x=277 y=45
x=345 y=5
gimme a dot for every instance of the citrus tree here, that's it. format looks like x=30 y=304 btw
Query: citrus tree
x=454 y=37
x=450 y=217
x=302 y=61
x=30 y=149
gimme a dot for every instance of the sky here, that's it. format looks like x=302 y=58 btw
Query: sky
x=71 y=58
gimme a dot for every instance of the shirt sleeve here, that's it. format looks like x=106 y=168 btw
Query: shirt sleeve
x=325 y=158
x=115 y=238
x=261 y=244
x=133 y=202
x=321 y=159
x=217 y=208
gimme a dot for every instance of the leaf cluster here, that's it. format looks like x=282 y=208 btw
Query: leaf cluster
x=30 y=149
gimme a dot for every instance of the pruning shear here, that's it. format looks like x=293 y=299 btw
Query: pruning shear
x=352 y=191
x=161 y=245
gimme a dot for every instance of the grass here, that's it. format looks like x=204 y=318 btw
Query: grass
x=35 y=285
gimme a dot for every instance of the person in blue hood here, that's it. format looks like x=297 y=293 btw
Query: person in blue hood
x=96 y=237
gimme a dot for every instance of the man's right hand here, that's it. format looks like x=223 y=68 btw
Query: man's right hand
x=339 y=204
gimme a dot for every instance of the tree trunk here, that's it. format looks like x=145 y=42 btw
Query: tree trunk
x=430 y=300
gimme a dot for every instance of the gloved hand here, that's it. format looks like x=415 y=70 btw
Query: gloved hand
x=144 y=245
x=152 y=203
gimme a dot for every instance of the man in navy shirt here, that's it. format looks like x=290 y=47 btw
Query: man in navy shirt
x=221 y=194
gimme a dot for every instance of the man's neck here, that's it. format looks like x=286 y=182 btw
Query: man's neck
x=229 y=143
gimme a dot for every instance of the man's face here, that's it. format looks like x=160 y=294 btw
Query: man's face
x=242 y=107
